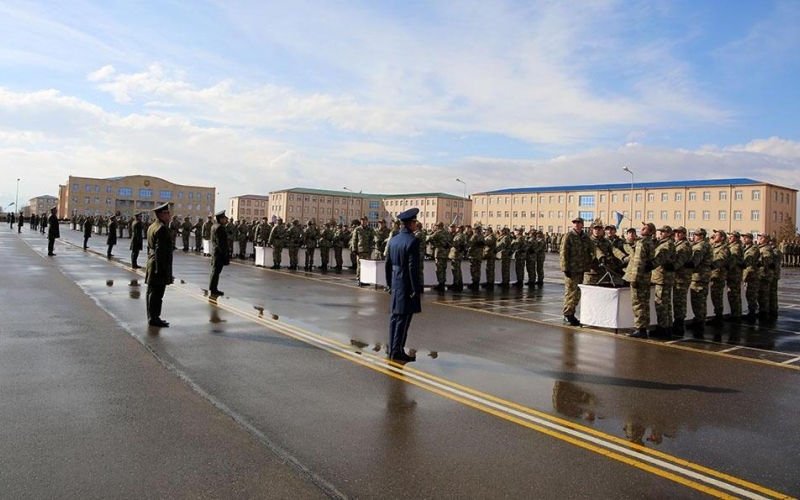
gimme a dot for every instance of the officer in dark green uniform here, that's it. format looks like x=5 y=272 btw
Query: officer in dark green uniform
x=137 y=239
x=220 y=252
x=159 y=264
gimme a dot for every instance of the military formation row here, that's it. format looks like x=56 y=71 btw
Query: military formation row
x=677 y=268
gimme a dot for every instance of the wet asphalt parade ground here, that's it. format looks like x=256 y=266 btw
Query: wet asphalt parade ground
x=280 y=389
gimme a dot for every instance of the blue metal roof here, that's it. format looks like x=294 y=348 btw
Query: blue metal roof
x=627 y=185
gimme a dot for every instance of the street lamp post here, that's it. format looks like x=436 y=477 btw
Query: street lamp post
x=464 y=208
x=16 y=197
x=630 y=214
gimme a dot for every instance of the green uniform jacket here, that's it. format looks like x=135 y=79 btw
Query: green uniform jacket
x=683 y=256
x=751 y=261
x=664 y=274
x=701 y=261
x=137 y=236
x=576 y=252
x=159 y=255
x=642 y=262
x=219 y=246
x=719 y=261
x=441 y=242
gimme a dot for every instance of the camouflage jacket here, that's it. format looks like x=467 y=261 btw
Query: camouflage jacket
x=701 y=261
x=602 y=253
x=521 y=247
x=310 y=236
x=576 y=252
x=277 y=237
x=294 y=236
x=751 y=260
x=719 y=260
x=683 y=255
x=362 y=239
x=664 y=274
x=642 y=262
x=475 y=245
x=505 y=246
x=490 y=246
x=458 y=248
x=207 y=229
x=382 y=238
x=735 y=262
x=441 y=241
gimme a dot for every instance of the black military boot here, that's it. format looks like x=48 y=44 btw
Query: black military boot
x=639 y=333
x=750 y=317
x=659 y=333
x=572 y=320
x=678 y=329
x=716 y=321
x=438 y=288
x=456 y=287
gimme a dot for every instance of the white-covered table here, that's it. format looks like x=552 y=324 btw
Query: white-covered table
x=206 y=247
x=248 y=248
x=261 y=256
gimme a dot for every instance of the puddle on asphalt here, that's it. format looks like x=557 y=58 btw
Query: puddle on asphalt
x=109 y=282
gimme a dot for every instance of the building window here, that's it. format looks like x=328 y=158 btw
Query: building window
x=664 y=196
x=638 y=197
x=650 y=215
x=723 y=195
x=108 y=201
x=678 y=215
x=550 y=199
x=691 y=214
x=638 y=214
x=737 y=215
x=626 y=198
x=209 y=196
x=76 y=187
x=180 y=195
x=541 y=199
x=588 y=216
x=706 y=195
x=109 y=189
x=692 y=196
x=678 y=196
x=774 y=216
x=124 y=192
x=737 y=195
x=145 y=193
x=506 y=214
x=87 y=200
x=571 y=199
x=602 y=214
x=373 y=204
x=586 y=201
x=533 y=200
x=723 y=215
x=651 y=197
x=491 y=213
x=164 y=195
x=664 y=215
x=97 y=188
x=87 y=188
x=560 y=214
x=755 y=215
x=706 y=214
x=550 y=214
x=614 y=198
x=756 y=195
x=602 y=198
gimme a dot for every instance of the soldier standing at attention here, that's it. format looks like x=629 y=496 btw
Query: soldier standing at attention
x=457 y=251
x=602 y=254
x=174 y=229
x=348 y=234
x=381 y=239
x=475 y=245
x=52 y=232
x=294 y=238
x=683 y=278
x=630 y=241
x=422 y=236
x=338 y=245
x=663 y=278
x=111 y=239
x=361 y=243
x=310 y=239
x=719 y=270
x=638 y=274
x=505 y=247
x=441 y=242
x=734 y=276
x=207 y=227
x=198 y=235
x=220 y=252
x=325 y=242
x=490 y=256
x=137 y=239
x=701 y=275
x=186 y=232
x=530 y=256
x=767 y=270
x=159 y=265
x=540 y=253
x=402 y=278
x=521 y=247
x=277 y=239
x=87 y=232
x=575 y=252
x=751 y=260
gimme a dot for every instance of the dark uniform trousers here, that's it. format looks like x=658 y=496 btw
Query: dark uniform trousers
x=155 y=297
x=398 y=332
x=214 y=280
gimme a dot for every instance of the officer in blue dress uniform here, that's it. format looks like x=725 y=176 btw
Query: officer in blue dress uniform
x=403 y=280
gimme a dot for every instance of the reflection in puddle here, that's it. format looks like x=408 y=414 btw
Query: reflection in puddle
x=109 y=282
x=134 y=283
x=215 y=317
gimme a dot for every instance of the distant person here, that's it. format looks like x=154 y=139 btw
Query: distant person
x=20 y=222
x=220 y=252
x=11 y=218
x=159 y=264
x=52 y=232
x=576 y=253
x=87 y=232
x=403 y=280
x=137 y=239
x=111 y=239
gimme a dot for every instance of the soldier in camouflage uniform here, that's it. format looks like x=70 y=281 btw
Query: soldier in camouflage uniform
x=325 y=243
x=733 y=278
x=683 y=278
x=663 y=277
x=767 y=273
x=751 y=276
x=475 y=246
x=720 y=255
x=232 y=229
x=521 y=247
x=638 y=274
x=441 y=241
x=630 y=242
x=422 y=238
x=362 y=244
x=576 y=252
x=277 y=240
x=207 y=227
x=338 y=244
x=174 y=229
x=310 y=240
x=457 y=252
x=381 y=239
x=490 y=256
x=701 y=276
x=244 y=237
x=539 y=251
x=773 y=284
x=198 y=235
x=294 y=239
x=505 y=248
x=186 y=231
x=532 y=246
x=348 y=240
x=602 y=254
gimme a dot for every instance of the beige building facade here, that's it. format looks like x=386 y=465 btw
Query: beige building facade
x=131 y=194
x=248 y=207
x=305 y=204
x=741 y=204
x=42 y=204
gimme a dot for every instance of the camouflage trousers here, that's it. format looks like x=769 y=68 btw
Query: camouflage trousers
x=751 y=295
x=490 y=265
x=540 y=268
x=680 y=292
x=640 y=302
x=735 y=296
x=294 y=256
x=773 y=296
x=243 y=249
x=277 y=255
x=310 y=257
x=198 y=243
x=475 y=270
x=519 y=270
x=717 y=291
x=698 y=292
x=324 y=256
x=663 y=300
x=591 y=278
x=441 y=271
x=361 y=256
x=458 y=279
x=185 y=241
x=572 y=294
x=353 y=259
x=505 y=270
x=764 y=295
x=530 y=266
x=337 y=256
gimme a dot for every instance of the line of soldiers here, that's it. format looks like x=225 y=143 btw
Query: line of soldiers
x=36 y=222
x=790 y=251
x=677 y=268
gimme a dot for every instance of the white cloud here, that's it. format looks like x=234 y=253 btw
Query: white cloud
x=774 y=146
x=101 y=74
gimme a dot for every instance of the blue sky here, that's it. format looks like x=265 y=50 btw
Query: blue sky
x=398 y=96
